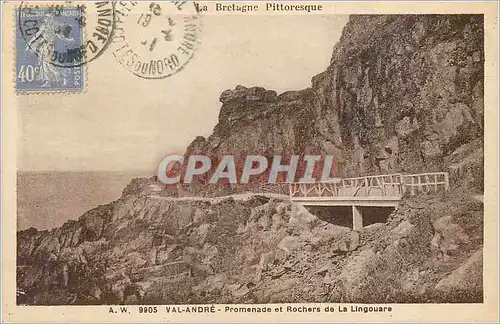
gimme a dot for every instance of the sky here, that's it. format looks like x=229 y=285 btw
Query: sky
x=123 y=122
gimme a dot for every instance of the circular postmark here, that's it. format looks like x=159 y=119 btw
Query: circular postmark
x=67 y=34
x=154 y=40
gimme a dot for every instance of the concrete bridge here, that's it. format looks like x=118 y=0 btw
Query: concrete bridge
x=368 y=198
x=378 y=191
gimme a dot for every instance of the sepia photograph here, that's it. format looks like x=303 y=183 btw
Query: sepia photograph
x=215 y=157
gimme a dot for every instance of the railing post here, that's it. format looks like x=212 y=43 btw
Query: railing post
x=446 y=181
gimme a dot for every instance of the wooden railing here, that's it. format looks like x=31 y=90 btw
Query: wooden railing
x=389 y=185
x=426 y=182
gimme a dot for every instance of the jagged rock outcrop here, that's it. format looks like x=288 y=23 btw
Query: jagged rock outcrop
x=141 y=249
x=401 y=93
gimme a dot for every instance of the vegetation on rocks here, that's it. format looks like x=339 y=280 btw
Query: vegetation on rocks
x=401 y=94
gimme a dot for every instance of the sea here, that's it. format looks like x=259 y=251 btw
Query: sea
x=46 y=200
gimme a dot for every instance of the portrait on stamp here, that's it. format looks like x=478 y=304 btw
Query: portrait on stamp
x=43 y=34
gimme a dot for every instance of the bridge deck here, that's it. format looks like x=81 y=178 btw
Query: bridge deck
x=378 y=190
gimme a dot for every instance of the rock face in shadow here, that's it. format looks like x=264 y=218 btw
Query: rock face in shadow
x=146 y=250
x=401 y=93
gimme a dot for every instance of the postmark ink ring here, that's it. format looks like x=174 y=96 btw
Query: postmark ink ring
x=154 y=40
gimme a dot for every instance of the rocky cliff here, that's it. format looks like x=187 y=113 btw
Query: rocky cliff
x=141 y=249
x=401 y=93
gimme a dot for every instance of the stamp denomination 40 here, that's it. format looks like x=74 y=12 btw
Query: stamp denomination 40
x=55 y=41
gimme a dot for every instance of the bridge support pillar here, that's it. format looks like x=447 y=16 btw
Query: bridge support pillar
x=357 y=218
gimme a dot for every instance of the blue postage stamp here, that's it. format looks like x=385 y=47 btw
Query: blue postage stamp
x=49 y=42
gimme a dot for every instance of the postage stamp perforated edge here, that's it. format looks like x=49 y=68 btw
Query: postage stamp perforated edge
x=47 y=91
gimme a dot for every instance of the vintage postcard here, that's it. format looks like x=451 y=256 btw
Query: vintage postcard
x=203 y=161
